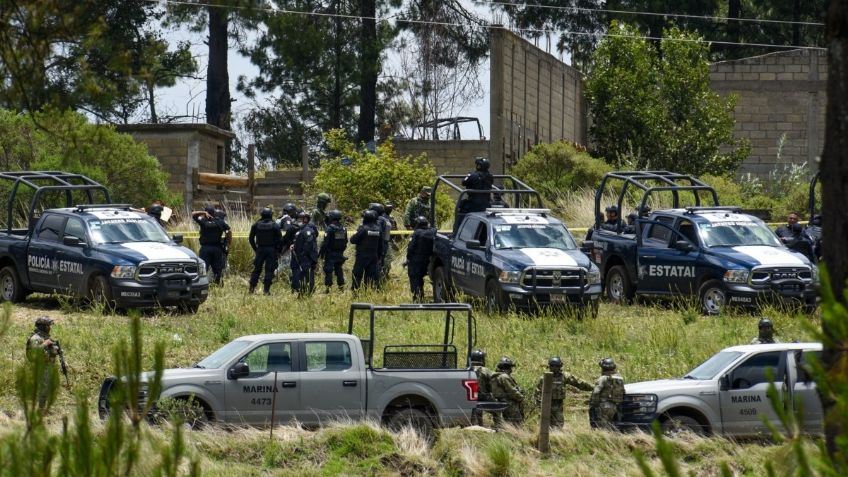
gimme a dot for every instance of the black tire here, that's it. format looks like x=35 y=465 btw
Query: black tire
x=10 y=286
x=100 y=292
x=713 y=297
x=442 y=292
x=414 y=418
x=675 y=424
x=617 y=285
x=495 y=300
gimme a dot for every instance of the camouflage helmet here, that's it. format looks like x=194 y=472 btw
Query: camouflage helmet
x=505 y=363
x=421 y=222
x=289 y=208
x=607 y=364
x=369 y=216
x=477 y=356
x=482 y=163
x=266 y=213
x=765 y=323
x=324 y=198
x=43 y=322
x=334 y=215
x=555 y=362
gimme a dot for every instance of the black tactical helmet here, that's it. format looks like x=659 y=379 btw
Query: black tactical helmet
x=43 y=322
x=303 y=215
x=555 y=362
x=765 y=323
x=155 y=210
x=478 y=356
x=607 y=364
x=482 y=163
x=377 y=207
x=389 y=207
x=612 y=208
x=289 y=208
x=505 y=363
x=220 y=214
x=334 y=215
x=421 y=222
x=369 y=216
x=210 y=209
x=266 y=213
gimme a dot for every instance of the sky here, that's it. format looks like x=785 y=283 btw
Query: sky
x=188 y=96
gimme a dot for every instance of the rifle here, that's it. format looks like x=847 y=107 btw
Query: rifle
x=62 y=361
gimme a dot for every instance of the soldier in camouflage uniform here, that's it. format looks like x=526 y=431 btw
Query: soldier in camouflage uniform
x=40 y=342
x=766 y=334
x=416 y=207
x=558 y=390
x=505 y=389
x=606 y=397
x=484 y=383
x=319 y=215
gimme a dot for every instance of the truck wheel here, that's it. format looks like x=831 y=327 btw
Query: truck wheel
x=678 y=423
x=441 y=290
x=713 y=297
x=100 y=293
x=10 y=286
x=413 y=418
x=618 y=286
x=495 y=302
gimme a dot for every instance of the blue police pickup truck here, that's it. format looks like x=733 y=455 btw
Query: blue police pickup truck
x=512 y=257
x=717 y=254
x=104 y=252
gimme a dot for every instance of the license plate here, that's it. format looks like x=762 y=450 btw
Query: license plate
x=558 y=299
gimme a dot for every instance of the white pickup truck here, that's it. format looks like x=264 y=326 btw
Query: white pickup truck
x=727 y=394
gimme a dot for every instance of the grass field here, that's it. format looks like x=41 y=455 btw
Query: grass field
x=647 y=342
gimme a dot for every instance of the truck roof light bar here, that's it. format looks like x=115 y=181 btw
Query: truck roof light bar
x=498 y=211
x=84 y=207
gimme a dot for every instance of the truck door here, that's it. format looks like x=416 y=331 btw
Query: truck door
x=805 y=394
x=743 y=396
x=249 y=399
x=460 y=256
x=477 y=258
x=73 y=257
x=332 y=382
x=42 y=256
x=652 y=256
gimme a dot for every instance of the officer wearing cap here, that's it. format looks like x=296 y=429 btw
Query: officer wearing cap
x=332 y=250
x=266 y=241
x=418 y=206
x=418 y=255
x=766 y=332
x=211 y=231
x=319 y=215
x=369 y=244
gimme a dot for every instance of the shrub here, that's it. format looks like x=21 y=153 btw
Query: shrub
x=557 y=167
x=66 y=141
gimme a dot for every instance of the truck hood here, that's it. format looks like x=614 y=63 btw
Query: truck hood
x=542 y=257
x=760 y=255
x=136 y=252
x=664 y=386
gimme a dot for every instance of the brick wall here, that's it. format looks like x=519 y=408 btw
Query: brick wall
x=535 y=98
x=449 y=157
x=781 y=95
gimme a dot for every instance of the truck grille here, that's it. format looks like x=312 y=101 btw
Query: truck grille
x=155 y=269
x=554 y=278
x=781 y=275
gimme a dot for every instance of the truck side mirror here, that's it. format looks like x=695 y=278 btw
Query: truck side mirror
x=239 y=370
x=178 y=238
x=724 y=383
x=72 y=241
x=473 y=245
x=683 y=246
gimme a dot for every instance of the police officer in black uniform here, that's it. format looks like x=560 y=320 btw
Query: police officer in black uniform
x=369 y=244
x=385 y=235
x=332 y=250
x=304 y=256
x=613 y=221
x=211 y=231
x=227 y=238
x=155 y=210
x=418 y=256
x=480 y=179
x=266 y=241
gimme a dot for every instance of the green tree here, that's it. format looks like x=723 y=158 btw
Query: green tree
x=557 y=167
x=654 y=109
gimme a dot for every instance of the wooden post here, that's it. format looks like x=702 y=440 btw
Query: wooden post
x=544 y=444
x=251 y=176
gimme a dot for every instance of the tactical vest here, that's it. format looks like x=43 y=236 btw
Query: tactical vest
x=613 y=389
x=210 y=232
x=266 y=233
x=484 y=381
x=558 y=387
x=424 y=239
x=498 y=389
x=369 y=243
x=337 y=235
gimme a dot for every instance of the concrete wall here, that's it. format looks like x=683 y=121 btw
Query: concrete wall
x=535 y=98
x=449 y=157
x=780 y=95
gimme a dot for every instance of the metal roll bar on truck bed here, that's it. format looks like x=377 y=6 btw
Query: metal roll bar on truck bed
x=42 y=182
x=649 y=182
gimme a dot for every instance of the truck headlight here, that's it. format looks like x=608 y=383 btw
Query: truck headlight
x=510 y=277
x=641 y=403
x=737 y=275
x=593 y=276
x=201 y=268
x=124 y=271
x=815 y=271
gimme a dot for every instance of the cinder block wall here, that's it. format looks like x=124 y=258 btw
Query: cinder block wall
x=780 y=95
x=535 y=98
x=449 y=157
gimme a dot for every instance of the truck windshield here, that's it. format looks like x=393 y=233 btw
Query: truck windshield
x=223 y=355
x=533 y=236
x=126 y=230
x=737 y=233
x=710 y=368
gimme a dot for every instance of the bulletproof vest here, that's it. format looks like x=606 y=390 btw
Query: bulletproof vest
x=558 y=388
x=484 y=380
x=370 y=242
x=210 y=232
x=498 y=381
x=424 y=242
x=481 y=180
x=266 y=233
x=305 y=236
x=613 y=389
x=385 y=228
x=337 y=235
